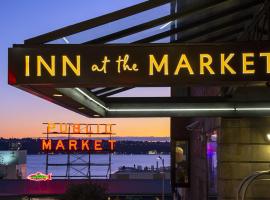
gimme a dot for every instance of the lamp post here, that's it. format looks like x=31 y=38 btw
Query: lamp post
x=163 y=177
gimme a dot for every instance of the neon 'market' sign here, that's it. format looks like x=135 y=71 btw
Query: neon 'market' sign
x=64 y=128
x=78 y=145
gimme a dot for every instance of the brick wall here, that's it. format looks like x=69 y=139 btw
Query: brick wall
x=242 y=150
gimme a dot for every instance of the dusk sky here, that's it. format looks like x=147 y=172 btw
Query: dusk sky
x=22 y=114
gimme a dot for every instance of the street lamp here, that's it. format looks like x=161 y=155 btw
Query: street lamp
x=163 y=178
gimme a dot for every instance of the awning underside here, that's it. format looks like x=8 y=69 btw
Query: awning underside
x=151 y=22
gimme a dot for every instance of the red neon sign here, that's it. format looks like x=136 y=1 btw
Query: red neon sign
x=39 y=176
x=64 y=128
x=75 y=145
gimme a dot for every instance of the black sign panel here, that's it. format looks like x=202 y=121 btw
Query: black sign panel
x=139 y=65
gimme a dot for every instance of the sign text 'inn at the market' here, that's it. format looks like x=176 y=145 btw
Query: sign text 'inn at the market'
x=124 y=65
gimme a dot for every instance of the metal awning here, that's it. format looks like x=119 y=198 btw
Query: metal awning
x=149 y=22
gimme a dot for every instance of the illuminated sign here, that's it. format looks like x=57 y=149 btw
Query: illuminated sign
x=82 y=143
x=77 y=145
x=63 y=128
x=39 y=176
x=153 y=64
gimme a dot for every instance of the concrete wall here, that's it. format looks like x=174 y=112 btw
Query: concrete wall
x=242 y=150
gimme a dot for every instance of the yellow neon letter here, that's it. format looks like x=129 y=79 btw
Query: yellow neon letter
x=46 y=145
x=183 y=63
x=97 y=145
x=247 y=63
x=112 y=144
x=267 y=55
x=76 y=128
x=50 y=127
x=224 y=63
x=41 y=61
x=72 y=144
x=27 y=65
x=76 y=69
x=60 y=145
x=206 y=64
x=153 y=63
x=85 y=145
x=63 y=128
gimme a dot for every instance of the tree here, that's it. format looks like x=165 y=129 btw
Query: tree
x=85 y=191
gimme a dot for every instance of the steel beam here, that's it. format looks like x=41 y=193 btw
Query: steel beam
x=225 y=33
x=147 y=100
x=254 y=22
x=112 y=92
x=190 y=110
x=214 y=28
x=82 y=26
x=151 y=24
x=239 y=7
x=106 y=89
x=79 y=97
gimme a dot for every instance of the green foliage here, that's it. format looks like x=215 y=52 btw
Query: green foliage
x=85 y=191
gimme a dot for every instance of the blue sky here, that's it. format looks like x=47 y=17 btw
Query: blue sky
x=21 y=114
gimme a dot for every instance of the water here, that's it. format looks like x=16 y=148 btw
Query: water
x=37 y=163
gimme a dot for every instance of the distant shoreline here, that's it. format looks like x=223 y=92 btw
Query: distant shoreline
x=125 y=147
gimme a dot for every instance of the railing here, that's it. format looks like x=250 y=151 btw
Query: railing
x=246 y=182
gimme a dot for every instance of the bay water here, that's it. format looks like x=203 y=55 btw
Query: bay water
x=37 y=163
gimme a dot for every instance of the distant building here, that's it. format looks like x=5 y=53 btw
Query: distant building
x=13 y=164
x=152 y=173
x=152 y=152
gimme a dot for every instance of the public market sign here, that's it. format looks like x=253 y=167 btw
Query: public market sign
x=78 y=138
x=139 y=65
